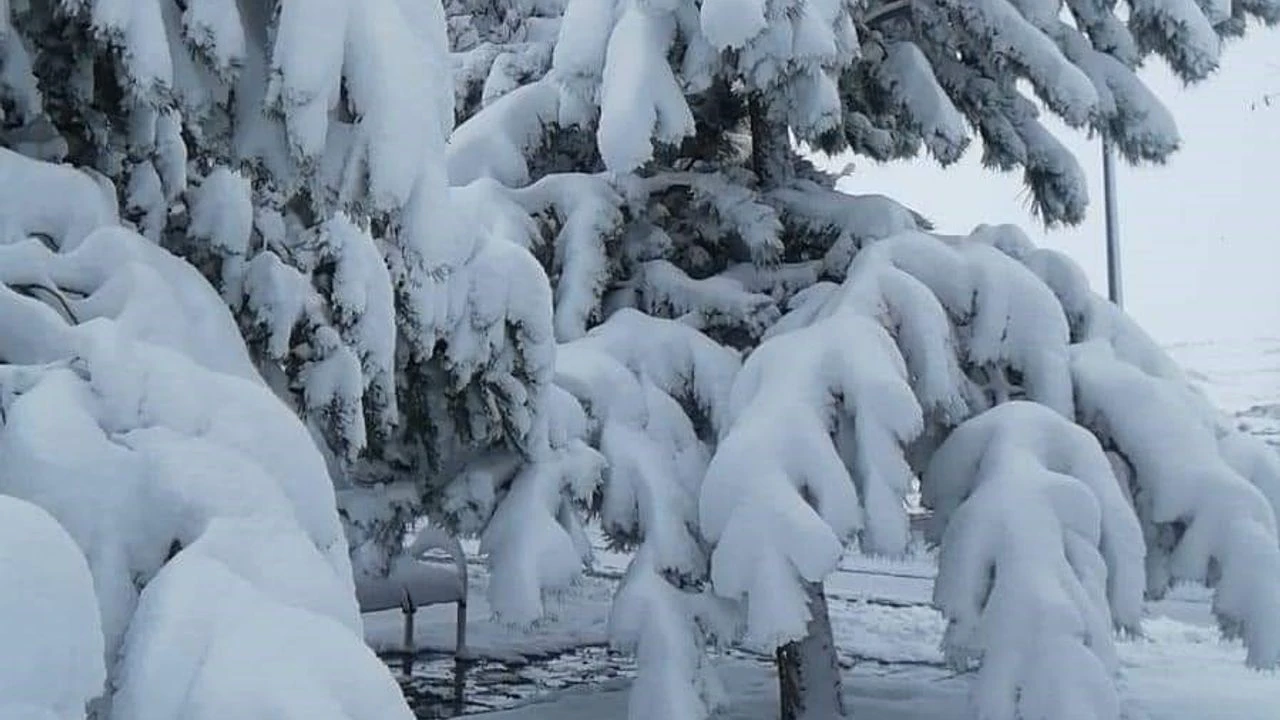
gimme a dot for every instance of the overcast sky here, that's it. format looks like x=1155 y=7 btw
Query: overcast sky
x=1200 y=236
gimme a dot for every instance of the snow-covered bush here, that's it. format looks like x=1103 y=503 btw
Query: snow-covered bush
x=198 y=532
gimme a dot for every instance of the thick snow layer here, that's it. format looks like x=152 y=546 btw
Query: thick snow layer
x=148 y=293
x=1041 y=553
x=906 y=71
x=146 y=68
x=780 y=497
x=129 y=412
x=579 y=57
x=635 y=375
x=55 y=201
x=51 y=661
x=731 y=23
x=222 y=212
x=496 y=141
x=113 y=462
x=1205 y=522
x=235 y=600
x=1013 y=320
x=213 y=28
x=641 y=100
x=530 y=539
x=586 y=214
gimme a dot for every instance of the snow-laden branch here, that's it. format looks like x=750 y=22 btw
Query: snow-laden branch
x=644 y=391
x=812 y=440
x=201 y=508
x=647 y=383
x=1094 y=320
x=866 y=380
x=1041 y=554
x=1204 y=521
x=585 y=212
x=497 y=141
x=847 y=222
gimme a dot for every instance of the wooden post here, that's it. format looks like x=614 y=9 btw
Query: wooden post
x=408 y=631
x=460 y=644
x=409 y=610
x=459 y=657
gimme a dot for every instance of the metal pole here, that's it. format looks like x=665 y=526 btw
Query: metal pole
x=1113 y=224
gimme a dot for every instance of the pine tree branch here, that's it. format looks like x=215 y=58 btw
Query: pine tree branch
x=887 y=11
x=63 y=305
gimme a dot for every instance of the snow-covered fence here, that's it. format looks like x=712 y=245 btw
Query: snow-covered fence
x=416 y=581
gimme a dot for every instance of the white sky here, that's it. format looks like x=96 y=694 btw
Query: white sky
x=1199 y=239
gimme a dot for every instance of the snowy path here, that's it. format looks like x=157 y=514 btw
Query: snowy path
x=887 y=633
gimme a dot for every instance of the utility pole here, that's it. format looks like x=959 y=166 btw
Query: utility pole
x=1114 y=292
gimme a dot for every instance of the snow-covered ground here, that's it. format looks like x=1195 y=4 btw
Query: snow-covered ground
x=1242 y=377
x=887 y=632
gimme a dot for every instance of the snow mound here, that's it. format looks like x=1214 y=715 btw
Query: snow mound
x=238 y=598
x=51 y=662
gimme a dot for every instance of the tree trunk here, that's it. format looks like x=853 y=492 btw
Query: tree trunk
x=808 y=673
x=771 y=156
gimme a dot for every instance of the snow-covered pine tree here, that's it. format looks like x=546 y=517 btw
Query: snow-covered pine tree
x=294 y=152
x=932 y=70
x=165 y=520
x=498 y=46
x=895 y=344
